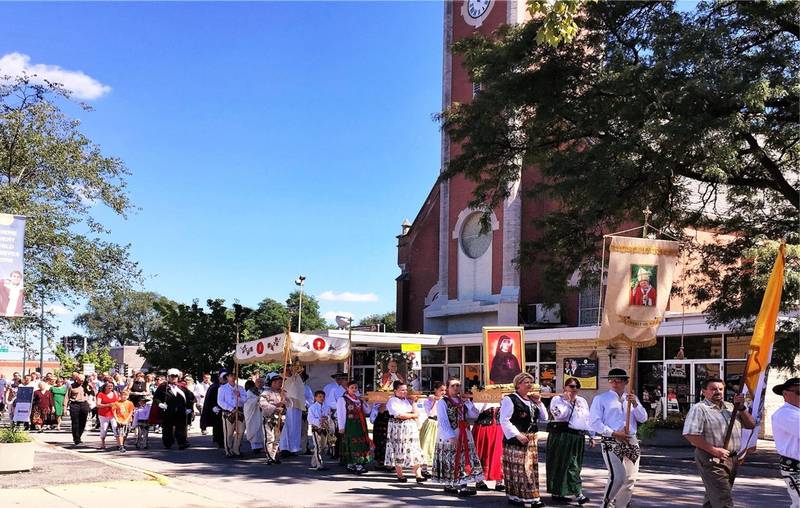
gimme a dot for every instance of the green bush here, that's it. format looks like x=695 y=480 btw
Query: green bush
x=12 y=435
x=673 y=421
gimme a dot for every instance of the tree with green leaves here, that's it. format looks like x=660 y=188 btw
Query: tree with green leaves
x=97 y=355
x=693 y=115
x=388 y=320
x=57 y=177
x=311 y=317
x=193 y=338
x=122 y=317
x=269 y=318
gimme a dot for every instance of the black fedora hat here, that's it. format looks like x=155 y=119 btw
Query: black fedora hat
x=790 y=383
x=338 y=375
x=617 y=374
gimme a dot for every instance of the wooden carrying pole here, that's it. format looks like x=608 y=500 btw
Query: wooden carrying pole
x=287 y=348
x=632 y=365
x=734 y=412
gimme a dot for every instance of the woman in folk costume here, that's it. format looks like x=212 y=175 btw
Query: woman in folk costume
x=565 y=443
x=355 y=445
x=455 y=463
x=295 y=389
x=488 y=437
x=380 y=429
x=402 y=445
x=253 y=419
x=430 y=428
x=519 y=417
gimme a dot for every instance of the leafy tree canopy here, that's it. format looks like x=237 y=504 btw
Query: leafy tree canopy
x=388 y=320
x=56 y=176
x=121 y=317
x=311 y=317
x=693 y=115
x=269 y=318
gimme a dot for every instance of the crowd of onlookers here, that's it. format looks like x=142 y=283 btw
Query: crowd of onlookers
x=123 y=405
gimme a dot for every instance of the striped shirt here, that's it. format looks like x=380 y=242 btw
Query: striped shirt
x=709 y=421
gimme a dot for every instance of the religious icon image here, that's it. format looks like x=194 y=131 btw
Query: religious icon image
x=392 y=369
x=643 y=285
x=504 y=354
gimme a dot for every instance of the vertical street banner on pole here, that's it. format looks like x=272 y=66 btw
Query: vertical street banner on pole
x=12 y=242
x=760 y=353
x=22 y=406
x=640 y=275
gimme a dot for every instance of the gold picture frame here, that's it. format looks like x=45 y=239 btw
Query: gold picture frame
x=501 y=365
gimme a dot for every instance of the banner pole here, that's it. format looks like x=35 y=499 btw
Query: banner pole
x=734 y=412
x=631 y=379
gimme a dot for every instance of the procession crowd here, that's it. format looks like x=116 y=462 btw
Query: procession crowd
x=445 y=438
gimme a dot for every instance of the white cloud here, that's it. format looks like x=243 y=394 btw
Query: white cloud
x=347 y=296
x=81 y=85
x=330 y=317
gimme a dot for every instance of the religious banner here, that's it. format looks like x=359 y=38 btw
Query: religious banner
x=640 y=274
x=504 y=354
x=12 y=242
x=307 y=348
x=22 y=406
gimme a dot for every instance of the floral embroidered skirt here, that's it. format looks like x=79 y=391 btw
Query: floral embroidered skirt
x=521 y=470
x=356 y=448
x=456 y=467
x=402 y=445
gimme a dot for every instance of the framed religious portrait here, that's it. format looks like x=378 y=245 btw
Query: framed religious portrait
x=585 y=370
x=391 y=366
x=503 y=354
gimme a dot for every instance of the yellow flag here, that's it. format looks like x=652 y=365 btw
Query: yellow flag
x=764 y=329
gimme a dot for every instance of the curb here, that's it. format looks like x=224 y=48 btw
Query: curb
x=157 y=477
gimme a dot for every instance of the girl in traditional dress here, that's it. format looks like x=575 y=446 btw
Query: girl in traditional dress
x=519 y=414
x=356 y=447
x=402 y=444
x=565 y=443
x=380 y=429
x=430 y=429
x=488 y=437
x=455 y=463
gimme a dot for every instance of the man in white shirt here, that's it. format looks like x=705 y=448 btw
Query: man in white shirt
x=620 y=449
x=333 y=392
x=200 y=390
x=786 y=430
x=231 y=399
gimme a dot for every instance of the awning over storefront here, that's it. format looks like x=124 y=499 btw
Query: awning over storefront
x=387 y=339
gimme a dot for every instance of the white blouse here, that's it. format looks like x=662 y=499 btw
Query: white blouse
x=577 y=415
x=507 y=410
x=445 y=430
x=397 y=406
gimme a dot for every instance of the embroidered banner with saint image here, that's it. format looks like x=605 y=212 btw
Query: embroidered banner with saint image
x=640 y=274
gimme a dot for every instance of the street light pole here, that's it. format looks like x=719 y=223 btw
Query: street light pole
x=300 y=281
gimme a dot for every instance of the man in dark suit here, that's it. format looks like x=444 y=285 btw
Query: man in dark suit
x=175 y=402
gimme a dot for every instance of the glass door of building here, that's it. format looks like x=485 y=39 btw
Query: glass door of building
x=683 y=383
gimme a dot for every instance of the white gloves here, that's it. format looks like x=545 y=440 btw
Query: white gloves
x=162 y=405
x=216 y=410
x=188 y=411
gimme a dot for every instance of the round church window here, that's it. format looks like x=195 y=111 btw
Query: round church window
x=474 y=242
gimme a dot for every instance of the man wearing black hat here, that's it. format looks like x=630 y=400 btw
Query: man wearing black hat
x=212 y=414
x=620 y=449
x=786 y=430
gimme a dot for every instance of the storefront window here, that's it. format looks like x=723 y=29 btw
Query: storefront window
x=429 y=376
x=532 y=369
x=472 y=376
x=472 y=354
x=365 y=377
x=433 y=356
x=453 y=372
x=695 y=347
x=364 y=357
x=547 y=352
x=650 y=380
x=736 y=347
x=531 y=352
x=655 y=352
x=548 y=377
x=454 y=355
x=734 y=372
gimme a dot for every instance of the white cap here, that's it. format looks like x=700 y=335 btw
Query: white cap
x=173 y=372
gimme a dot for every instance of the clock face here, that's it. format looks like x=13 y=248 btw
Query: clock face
x=477 y=8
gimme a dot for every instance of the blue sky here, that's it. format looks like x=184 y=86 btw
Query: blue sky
x=265 y=140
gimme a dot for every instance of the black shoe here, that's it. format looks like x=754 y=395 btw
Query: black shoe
x=285 y=454
x=481 y=486
x=582 y=500
x=308 y=452
x=402 y=480
x=184 y=446
x=258 y=451
x=451 y=491
x=500 y=487
x=426 y=474
x=466 y=492
x=537 y=504
x=421 y=479
x=560 y=499
x=516 y=503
